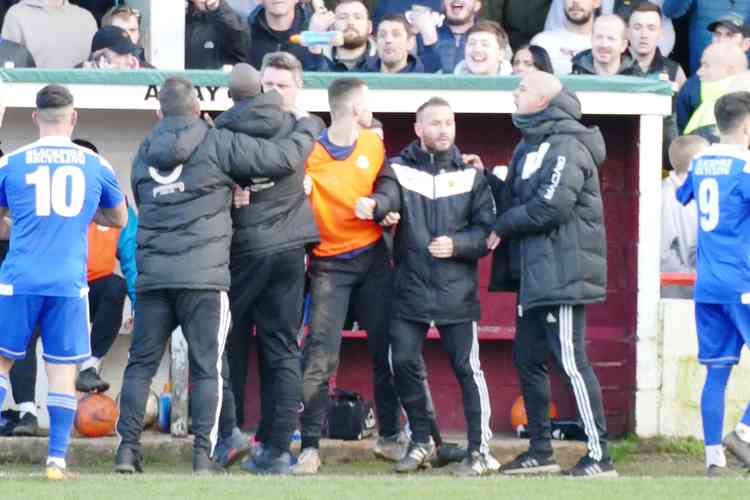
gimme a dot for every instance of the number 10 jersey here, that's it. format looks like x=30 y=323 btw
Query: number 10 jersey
x=53 y=188
x=719 y=181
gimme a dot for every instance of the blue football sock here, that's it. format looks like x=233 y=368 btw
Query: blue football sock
x=712 y=403
x=3 y=389
x=745 y=418
x=62 y=413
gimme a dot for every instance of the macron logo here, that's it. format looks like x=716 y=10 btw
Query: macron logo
x=555 y=180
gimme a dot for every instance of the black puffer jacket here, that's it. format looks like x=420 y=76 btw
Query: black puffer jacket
x=551 y=220
x=279 y=216
x=182 y=180
x=214 y=38
x=436 y=195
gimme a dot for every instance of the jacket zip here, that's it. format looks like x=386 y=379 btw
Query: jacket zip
x=433 y=230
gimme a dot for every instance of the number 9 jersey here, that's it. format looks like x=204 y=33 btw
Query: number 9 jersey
x=53 y=189
x=719 y=181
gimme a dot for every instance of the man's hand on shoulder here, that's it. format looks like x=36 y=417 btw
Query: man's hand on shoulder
x=365 y=208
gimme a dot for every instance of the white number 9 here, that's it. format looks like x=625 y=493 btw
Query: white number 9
x=708 y=204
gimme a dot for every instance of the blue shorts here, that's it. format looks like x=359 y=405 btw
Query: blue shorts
x=63 y=322
x=722 y=331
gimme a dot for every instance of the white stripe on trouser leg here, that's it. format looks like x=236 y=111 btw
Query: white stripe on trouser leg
x=484 y=395
x=567 y=350
x=225 y=319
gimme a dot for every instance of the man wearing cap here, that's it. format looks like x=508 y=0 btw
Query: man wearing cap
x=112 y=48
x=704 y=14
x=267 y=269
x=729 y=28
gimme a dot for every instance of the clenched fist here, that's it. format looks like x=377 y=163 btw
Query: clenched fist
x=365 y=208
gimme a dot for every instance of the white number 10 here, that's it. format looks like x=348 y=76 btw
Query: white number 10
x=708 y=203
x=52 y=191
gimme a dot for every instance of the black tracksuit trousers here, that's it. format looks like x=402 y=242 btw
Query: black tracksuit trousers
x=204 y=317
x=559 y=331
x=268 y=291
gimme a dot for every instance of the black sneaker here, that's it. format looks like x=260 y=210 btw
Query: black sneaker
x=587 y=467
x=203 y=465
x=417 y=457
x=88 y=380
x=232 y=449
x=530 y=463
x=738 y=448
x=27 y=426
x=128 y=461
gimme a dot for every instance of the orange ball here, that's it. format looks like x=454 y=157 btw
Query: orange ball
x=518 y=412
x=96 y=415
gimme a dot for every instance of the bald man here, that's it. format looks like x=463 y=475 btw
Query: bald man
x=608 y=54
x=553 y=254
x=720 y=60
x=720 y=63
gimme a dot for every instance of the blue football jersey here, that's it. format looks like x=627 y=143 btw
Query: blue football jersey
x=53 y=188
x=719 y=181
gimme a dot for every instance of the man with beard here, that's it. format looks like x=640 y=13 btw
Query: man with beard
x=395 y=41
x=460 y=16
x=446 y=212
x=563 y=44
x=554 y=256
x=352 y=19
x=608 y=54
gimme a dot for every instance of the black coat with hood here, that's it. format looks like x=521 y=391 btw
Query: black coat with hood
x=279 y=216
x=264 y=39
x=436 y=195
x=551 y=220
x=182 y=181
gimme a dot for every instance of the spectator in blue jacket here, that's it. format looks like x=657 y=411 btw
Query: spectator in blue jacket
x=460 y=16
x=702 y=13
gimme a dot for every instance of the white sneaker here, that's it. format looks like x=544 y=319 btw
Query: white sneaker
x=476 y=464
x=308 y=462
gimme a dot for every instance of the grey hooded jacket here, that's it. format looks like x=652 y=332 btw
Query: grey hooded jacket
x=551 y=220
x=279 y=216
x=182 y=181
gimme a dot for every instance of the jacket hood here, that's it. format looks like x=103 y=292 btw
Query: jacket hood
x=173 y=141
x=257 y=19
x=415 y=154
x=561 y=117
x=259 y=116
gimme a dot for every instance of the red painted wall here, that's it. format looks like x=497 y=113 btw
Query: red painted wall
x=611 y=326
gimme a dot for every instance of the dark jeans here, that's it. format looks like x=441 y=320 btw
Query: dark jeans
x=269 y=290
x=204 y=317
x=461 y=343
x=106 y=302
x=561 y=332
x=365 y=281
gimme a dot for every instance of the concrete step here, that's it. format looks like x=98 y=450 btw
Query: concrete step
x=164 y=448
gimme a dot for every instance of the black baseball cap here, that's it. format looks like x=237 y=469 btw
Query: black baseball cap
x=733 y=22
x=113 y=38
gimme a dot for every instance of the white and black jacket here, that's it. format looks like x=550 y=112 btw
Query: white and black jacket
x=436 y=195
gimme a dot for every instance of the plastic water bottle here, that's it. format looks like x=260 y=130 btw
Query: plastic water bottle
x=318 y=39
x=165 y=408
